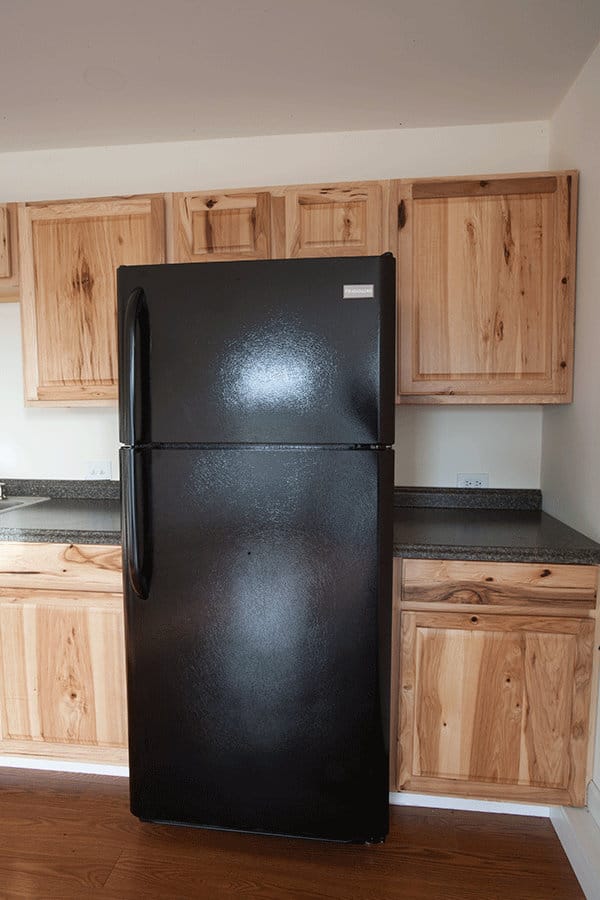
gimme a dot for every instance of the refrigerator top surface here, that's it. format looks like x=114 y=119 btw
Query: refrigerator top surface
x=269 y=351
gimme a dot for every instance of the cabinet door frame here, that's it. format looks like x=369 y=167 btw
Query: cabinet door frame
x=266 y=211
x=91 y=394
x=581 y=723
x=556 y=385
x=374 y=196
x=61 y=675
x=9 y=253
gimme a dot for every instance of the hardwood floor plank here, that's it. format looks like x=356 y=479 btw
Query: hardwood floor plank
x=73 y=837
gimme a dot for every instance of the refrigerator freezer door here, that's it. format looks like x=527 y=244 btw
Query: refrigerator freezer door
x=270 y=351
x=258 y=644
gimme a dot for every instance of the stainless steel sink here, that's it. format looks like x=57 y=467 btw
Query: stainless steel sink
x=11 y=503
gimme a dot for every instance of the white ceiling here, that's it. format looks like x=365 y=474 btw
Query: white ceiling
x=77 y=73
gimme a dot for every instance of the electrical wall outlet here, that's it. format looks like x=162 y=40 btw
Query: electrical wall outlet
x=98 y=469
x=472 y=480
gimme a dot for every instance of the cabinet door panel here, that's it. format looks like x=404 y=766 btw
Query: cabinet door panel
x=493 y=701
x=460 y=733
x=486 y=289
x=222 y=226
x=70 y=253
x=62 y=667
x=336 y=220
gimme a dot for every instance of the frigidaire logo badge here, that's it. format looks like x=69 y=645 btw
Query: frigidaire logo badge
x=358 y=291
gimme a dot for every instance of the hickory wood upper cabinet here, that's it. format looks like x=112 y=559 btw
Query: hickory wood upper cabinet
x=494 y=668
x=9 y=258
x=62 y=654
x=486 y=280
x=223 y=225
x=69 y=252
x=337 y=220
x=348 y=219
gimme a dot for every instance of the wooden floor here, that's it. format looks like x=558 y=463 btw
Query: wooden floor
x=72 y=836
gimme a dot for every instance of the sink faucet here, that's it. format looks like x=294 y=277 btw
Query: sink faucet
x=2 y=491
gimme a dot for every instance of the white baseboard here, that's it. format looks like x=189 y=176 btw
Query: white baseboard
x=580 y=837
x=593 y=801
x=60 y=765
x=403 y=798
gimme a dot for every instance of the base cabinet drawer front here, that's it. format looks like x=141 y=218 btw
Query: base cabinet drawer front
x=534 y=585
x=491 y=697
x=64 y=567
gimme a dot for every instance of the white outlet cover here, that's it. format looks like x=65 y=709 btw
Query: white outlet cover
x=98 y=469
x=472 y=480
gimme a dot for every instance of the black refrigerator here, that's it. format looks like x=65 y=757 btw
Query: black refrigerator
x=256 y=417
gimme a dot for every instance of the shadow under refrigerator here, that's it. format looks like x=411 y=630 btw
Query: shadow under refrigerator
x=257 y=417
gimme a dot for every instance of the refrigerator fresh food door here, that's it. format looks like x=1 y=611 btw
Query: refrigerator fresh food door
x=257 y=600
x=270 y=351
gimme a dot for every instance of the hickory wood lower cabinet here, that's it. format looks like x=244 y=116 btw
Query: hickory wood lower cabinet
x=493 y=682
x=62 y=661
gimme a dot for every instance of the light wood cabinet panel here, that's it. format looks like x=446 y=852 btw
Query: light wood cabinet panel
x=69 y=255
x=335 y=220
x=430 y=583
x=62 y=671
x=494 y=679
x=486 y=279
x=496 y=700
x=62 y=659
x=63 y=567
x=209 y=227
x=9 y=257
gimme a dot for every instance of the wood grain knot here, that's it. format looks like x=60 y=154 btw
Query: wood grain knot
x=401 y=214
x=564 y=280
x=210 y=203
x=83 y=281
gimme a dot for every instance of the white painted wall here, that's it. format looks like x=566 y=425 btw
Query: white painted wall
x=38 y=442
x=433 y=443
x=571 y=434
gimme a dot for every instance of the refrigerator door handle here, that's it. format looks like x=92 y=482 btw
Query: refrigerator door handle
x=135 y=304
x=133 y=533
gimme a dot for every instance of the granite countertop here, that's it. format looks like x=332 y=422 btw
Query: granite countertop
x=76 y=512
x=431 y=523
x=491 y=525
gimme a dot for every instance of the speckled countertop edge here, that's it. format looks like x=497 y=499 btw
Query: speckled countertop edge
x=59 y=536
x=468 y=498
x=63 y=489
x=569 y=556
